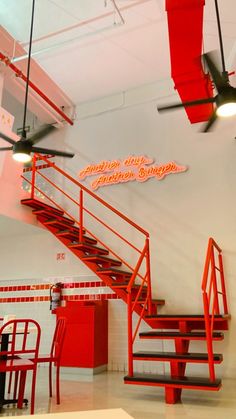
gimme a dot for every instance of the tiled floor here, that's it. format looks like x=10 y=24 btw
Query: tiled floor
x=107 y=391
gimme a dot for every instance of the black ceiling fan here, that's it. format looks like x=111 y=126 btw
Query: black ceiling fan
x=225 y=99
x=23 y=148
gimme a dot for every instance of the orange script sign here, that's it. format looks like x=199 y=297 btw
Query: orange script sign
x=139 y=168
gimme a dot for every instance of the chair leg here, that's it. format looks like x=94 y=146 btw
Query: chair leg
x=58 y=384
x=33 y=391
x=50 y=379
x=21 y=389
x=15 y=384
x=9 y=383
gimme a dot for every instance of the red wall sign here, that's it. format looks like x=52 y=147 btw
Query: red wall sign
x=139 y=168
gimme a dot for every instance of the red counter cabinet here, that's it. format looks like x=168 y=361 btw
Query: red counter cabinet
x=86 y=339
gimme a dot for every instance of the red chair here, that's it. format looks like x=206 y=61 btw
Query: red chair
x=18 y=354
x=53 y=358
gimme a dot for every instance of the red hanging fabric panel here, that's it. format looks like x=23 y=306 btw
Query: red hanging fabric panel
x=185 y=23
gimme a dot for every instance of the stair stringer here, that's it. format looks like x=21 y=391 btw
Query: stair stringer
x=107 y=280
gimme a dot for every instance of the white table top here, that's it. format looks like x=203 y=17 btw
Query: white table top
x=88 y=414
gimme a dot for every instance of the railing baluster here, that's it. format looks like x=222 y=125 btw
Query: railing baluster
x=209 y=337
x=211 y=298
x=223 y=289
x=81 y=216
x=130 y=335
x=34 y=159
x=214 y=279
x=148 y=276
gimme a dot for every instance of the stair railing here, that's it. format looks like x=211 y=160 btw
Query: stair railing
x=214 y=296
x=132 y=303
x=144 y=255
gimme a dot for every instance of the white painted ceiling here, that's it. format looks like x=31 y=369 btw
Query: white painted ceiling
x=94 y=54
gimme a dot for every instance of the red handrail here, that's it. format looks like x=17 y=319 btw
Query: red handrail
x=36 y=170
x=131 y=305
x=212 y=288
x=110 y=207
x=135 y=292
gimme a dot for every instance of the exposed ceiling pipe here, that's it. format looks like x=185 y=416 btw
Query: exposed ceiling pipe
x=118 y=11
x=61 y=44
x=19 y=73
x=84 y=23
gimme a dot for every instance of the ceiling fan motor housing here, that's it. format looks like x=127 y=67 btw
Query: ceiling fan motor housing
x=22 y=146
x=227 y=95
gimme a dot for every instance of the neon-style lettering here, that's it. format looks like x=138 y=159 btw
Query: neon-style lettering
x=132 y=168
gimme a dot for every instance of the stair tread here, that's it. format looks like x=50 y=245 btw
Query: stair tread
x=55 y=219
x=179 y=334
x=114 y=270
x=158 y=301
x=101 y=258
x=60 y=221
x=184 y=316
x=85 y=239
x=174 y=355
x=81 y=245
x=74 y=231
x=34 y=203
x=155 y=301
x=166 y=379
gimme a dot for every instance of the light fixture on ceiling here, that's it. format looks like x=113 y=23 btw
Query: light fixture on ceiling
x=225 y=99
x=21 y=152
x=23 y=148
x=226 y=104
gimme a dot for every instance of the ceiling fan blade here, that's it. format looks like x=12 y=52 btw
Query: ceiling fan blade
x=5 y=148
x=217 y=77
x=185 y=104
x=43 y=132
x=6 y=138
x=211 y=121
x=50 y=151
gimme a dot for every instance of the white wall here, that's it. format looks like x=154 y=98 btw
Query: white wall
x=181 y=212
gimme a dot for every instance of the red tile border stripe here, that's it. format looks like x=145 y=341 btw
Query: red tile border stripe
x=80 y=297
x=86 y=284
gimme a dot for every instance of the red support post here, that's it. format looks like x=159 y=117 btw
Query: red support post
x=81 y=216
x=34 y=159
x=130 y=335
x=214 y=280
x=223 y=289
x=209 y=337
x=172 y=395
x=148 y=277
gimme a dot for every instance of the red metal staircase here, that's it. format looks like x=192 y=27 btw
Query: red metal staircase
x=132 y=283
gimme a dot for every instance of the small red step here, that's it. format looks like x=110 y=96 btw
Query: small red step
x=34 y=203
x=172 y=356
x=114 y=272
x=70 y=230
x=51 y=218
x=74 y=237
x=194 y=383
x=180 y=335
x=62 y=221
x=101 y=260
x=86 y=247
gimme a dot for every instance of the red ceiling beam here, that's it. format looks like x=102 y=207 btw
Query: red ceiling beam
x=19 y=73
x=185 y=24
